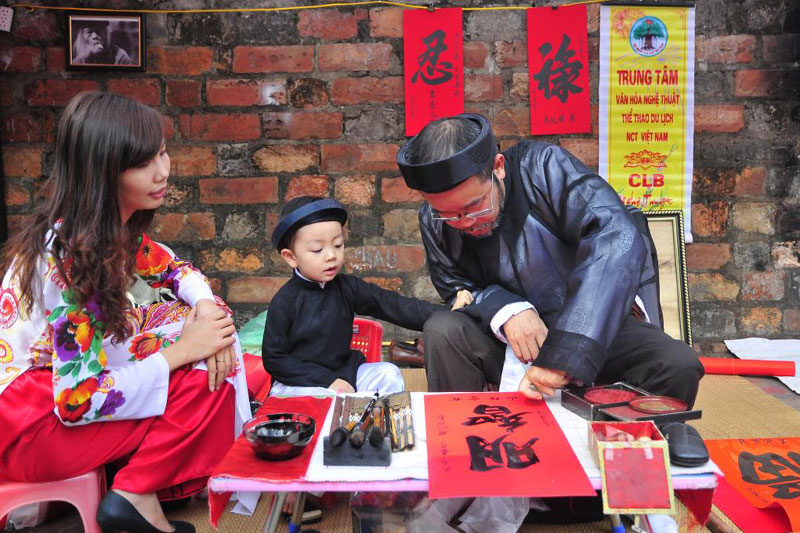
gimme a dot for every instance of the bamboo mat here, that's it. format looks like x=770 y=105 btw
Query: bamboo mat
x=732 y=408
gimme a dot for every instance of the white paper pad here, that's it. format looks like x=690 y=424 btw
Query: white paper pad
x=756 y=348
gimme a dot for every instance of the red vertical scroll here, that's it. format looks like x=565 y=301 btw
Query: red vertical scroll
x=558 y=70
x=433 y=55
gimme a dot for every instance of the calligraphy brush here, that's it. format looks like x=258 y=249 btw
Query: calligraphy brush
x=340 y=434
x=376 y=431
x=358 y=435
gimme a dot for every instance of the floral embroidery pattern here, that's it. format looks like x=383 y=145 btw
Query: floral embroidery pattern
x=144 y=345
x=73 y=403
x=6 y=355
x=8 y=308
x=151 y=259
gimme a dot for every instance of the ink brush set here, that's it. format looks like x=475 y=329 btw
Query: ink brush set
x=366 y=430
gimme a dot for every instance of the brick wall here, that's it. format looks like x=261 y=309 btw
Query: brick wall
x=263 y=107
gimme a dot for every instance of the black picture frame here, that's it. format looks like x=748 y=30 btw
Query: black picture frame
x=666 y=228
x=101 y=41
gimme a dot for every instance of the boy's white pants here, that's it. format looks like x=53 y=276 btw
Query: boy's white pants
x=381 y=377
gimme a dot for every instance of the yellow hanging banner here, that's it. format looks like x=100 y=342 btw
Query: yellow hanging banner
x=647 y=106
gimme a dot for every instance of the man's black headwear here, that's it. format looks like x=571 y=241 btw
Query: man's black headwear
x=438 y=176
x=318 y=211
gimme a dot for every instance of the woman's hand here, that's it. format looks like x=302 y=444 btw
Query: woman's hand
x=205 y=307
x=201 y=338
x=339 y=385
x=219 y=366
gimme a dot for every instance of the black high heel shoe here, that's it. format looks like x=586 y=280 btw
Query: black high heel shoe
x=115 y=514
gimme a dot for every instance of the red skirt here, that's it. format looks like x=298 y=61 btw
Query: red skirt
x=172 y=454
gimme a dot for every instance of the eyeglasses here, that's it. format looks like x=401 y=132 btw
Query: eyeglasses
x=475 y=214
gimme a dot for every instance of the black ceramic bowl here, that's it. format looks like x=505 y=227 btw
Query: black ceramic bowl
x=279 y=436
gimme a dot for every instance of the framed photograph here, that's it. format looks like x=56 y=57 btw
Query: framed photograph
x=666 y=228
x=104 y=41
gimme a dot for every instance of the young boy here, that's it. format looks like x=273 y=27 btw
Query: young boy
x=306 y=345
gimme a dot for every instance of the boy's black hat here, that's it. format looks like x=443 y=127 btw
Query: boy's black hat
x=317 y=211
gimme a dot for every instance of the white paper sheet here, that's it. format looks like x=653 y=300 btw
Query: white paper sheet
x=757 y=348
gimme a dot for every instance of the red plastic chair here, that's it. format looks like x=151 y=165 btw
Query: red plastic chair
x=367 y=338
x=84 y=492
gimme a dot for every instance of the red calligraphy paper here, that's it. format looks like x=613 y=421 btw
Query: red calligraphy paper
x=498 y=444
x=558 y=70
x=433 y=55
x=763 y=472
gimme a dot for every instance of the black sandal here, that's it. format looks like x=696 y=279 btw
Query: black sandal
x=311 y=514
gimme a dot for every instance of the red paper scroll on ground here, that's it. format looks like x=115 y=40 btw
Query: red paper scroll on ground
x=558 y=70
x=433 y=55
x=765 y=472
x=498 y=444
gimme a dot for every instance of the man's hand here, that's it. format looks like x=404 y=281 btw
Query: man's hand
x=339 y=385
x=539 y=381
x=525 y=333
x=463 y=299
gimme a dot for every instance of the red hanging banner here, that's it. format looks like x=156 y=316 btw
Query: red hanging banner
x=433 y=55
x=558 y=70
x=498 y=444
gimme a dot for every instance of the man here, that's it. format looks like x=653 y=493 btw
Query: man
x=556 y=263
x=91 y=44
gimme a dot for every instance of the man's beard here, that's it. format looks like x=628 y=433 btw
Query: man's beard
x=493 y=225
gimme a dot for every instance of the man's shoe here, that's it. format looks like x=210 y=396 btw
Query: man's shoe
x=115 y=514
x=311 y=514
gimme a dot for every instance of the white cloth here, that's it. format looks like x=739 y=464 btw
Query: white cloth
x=770 y=350
x=384 y=378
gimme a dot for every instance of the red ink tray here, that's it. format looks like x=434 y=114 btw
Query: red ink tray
x=574 y=398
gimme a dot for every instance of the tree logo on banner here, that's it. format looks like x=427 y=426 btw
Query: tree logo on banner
x=648 y=36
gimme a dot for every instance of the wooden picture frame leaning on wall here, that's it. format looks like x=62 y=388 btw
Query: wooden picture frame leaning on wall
x=666 y=228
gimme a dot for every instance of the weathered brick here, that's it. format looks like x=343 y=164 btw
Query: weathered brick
x=257 y=290
x=786 y=254
x=349 y=91
x=385 y=259
x=584 y=149
x=791 y=322
x=35 y=26
x=217 y=287
x=592 y=18
x=355 y=56
x=355 y=190
x=144 y=90
x=401 y=224
x=307 y=186
x=726 y=49
x=21 y=128
x=768 y=83
x=22 y=162
x=307 y=93
x=238 y=190
x=255 y=59
x=17 y=194
x=763 y=285
x=20 y=59
x=359 y=157
x=183 y=227
x=231 y=260
x=761 y=321
x=390 y=284
x=714 y=323
x=245 y=93
x=169 y=127
x=177 y=193
x=711 y=287
x=475 y=54
x=56 y=92
x=483 y=88
x=754 y=217
x=519 y=86
x=286 y=157
x=707 y=256
x=327 y=24
x=193 y=160
x=182 y=60
x=183 y=93
x=241 y=226
x=424 y=289
x=220 y=127
x=512 y=121
x=714 y=181
x=395 y=191
x=781 y=48
x=719 y=118
x=710 y=220
x=750 y=182
x=752 y=255
x=510 y=54
x=386 y=22
x=301 y=126
x=55 y=58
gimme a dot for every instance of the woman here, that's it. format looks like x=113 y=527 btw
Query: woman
x=74 y=354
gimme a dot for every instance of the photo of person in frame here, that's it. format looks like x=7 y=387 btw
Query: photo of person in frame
x=104 y=41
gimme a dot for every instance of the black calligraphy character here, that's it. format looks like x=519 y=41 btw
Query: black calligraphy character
x=557 y=74
x=780 y=473
x=496 y=414
x=480 y=450
x=521 y=457
x=430 y=70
